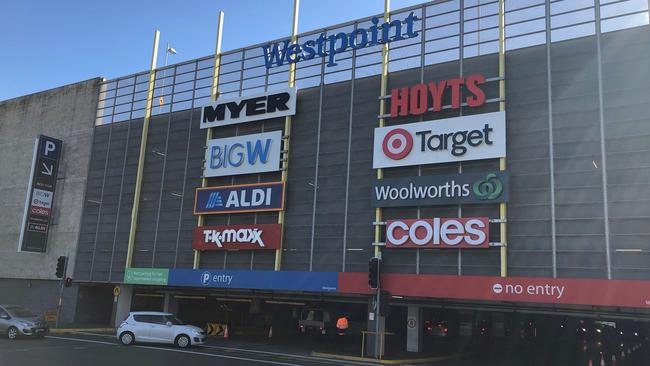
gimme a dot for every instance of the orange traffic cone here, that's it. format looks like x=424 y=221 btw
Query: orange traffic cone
x=602 y=359
x=225 y=333
x=271 y=331
x=614 y=363
x=590 y=363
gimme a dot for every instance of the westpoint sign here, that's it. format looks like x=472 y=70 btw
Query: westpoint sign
x=336 y=43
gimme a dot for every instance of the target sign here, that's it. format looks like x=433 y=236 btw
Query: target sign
x=397 y=144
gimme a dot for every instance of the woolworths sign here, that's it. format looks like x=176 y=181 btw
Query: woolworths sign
x=441 y=189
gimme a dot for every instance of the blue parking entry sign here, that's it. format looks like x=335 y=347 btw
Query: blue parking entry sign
x=260 y=280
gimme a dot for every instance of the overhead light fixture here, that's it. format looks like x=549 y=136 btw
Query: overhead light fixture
x=171 y=50
x=594 y=163
x=233 y=299
x=285 y=302
x=629 y=250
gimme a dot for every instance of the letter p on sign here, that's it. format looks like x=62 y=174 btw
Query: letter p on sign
x=49 y=147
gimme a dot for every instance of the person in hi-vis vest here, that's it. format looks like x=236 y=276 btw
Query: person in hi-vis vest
x=342 y=325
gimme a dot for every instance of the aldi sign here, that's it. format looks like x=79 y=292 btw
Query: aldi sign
x=255 y=153
x=439 y=233
x=249 y=108
x=441 y=189
x=236 y=237
x=481 y=136
x=241 y=198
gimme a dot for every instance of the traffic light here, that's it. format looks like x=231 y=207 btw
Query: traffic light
x=384 y=302
x=60 y=266
x=373 y=273
x=68 y=282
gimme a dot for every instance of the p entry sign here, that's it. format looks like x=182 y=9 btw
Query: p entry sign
x=40 y=194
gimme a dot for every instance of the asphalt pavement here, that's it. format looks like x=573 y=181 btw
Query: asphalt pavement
x=77 y=349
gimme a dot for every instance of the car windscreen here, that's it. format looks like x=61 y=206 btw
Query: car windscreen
x=20 y=312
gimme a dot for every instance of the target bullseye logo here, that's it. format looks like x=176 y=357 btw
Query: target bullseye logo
x=397 y=144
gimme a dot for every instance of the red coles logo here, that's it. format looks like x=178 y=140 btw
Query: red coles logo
x=420 y=98
x=466 y=232
x=397 y=144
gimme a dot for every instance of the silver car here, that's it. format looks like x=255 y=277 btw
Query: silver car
x=16 y=321
x=158 y=327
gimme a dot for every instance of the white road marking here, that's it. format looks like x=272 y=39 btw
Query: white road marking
x=181 y=351
x=312 y=358
x=290 y=355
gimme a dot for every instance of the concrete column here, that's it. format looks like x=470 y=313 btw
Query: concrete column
x=166 y=302
x=414 y=329
x=123 y=304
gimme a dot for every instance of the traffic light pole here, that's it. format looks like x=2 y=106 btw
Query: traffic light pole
x=60 y=304
x=377 y=313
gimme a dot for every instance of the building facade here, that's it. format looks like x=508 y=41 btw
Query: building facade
x=526 y=197
x=27 y=276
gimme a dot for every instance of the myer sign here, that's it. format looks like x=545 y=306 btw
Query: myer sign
x=481 y=136
x=441 y=189
x=243 y=154
x=249 y=108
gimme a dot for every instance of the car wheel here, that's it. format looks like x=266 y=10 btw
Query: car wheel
x=127 y=338
x=182 y=341
x=12 y=333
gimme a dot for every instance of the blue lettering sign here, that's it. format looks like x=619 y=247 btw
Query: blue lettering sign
x=277 y=55
x=243 y=198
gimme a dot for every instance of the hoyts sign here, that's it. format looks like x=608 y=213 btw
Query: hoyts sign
x=440 y=233
x=420 y=98
x=236 y=237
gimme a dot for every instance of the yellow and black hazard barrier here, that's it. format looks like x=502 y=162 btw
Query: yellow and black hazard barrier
x=215 y=329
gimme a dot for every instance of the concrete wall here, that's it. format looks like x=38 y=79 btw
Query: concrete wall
x=40 y=296
x=66 y=113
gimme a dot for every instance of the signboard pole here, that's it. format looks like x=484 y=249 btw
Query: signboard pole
x=143 y=150
x=502 y=161
x=287 y=133
x=380 y=175
x=214 y=94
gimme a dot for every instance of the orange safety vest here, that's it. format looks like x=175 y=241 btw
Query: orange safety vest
x=342 y=323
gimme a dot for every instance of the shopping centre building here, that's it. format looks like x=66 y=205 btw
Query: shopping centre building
x=490 y=175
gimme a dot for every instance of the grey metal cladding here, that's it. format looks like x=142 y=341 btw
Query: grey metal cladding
x=577 y=172
x=343 y=230
x=529 y=210
x=626 y=105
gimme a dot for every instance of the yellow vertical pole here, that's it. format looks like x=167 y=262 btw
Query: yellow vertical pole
x=214 y=94
x=502 y=161
x=287 y=134
x=382 y=122
x=143 y=150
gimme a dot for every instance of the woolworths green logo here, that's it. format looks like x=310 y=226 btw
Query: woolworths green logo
x=489 y=188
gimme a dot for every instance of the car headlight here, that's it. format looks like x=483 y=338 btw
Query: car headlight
x=25 y=324
x=196 y=331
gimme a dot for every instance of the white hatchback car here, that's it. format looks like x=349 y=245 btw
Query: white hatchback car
x=158 y=327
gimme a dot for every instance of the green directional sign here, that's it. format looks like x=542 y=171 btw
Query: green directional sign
x=146 y=276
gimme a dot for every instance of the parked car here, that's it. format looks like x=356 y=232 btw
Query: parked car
x=441 y=329
x=16 y=321
x=158 y=327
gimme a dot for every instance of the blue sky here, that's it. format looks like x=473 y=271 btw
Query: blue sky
x=46 y=44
